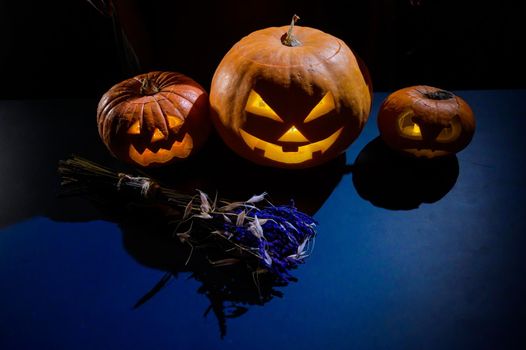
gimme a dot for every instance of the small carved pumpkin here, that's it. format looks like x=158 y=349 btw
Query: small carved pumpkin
x=154 y=119
x=425 y=121
x=291 y=100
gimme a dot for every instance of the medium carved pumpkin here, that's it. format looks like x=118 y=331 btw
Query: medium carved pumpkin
x=425 y=121
x=154 y=119
x=291 y=97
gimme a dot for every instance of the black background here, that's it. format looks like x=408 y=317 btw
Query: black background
x=68 y=48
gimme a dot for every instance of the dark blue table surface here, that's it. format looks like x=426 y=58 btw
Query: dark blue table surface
x=442 y=271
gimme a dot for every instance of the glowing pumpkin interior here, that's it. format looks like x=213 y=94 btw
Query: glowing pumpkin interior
x=408 y=127
x=146 y=148
x=292 y=146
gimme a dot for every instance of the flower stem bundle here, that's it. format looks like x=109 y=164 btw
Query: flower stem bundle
x=269 y=238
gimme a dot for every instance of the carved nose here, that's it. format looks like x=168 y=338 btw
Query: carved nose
x=157 y=135
x=293 y=135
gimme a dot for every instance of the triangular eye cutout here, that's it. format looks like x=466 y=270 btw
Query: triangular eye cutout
x=323 y=107
x=408 y=127
x=257 y=106
x=174 y=122
x=135 y=129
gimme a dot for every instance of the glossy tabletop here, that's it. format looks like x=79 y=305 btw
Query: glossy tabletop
x=408 y=255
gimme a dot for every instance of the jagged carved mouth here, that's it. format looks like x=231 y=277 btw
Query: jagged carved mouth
x=289 y=155
x=179 y=149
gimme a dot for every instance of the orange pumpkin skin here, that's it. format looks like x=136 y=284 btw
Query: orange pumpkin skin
x=293 y=82
x=427 y=122
x=154 y=119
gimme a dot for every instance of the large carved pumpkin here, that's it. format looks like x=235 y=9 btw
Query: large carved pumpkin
x=154 y=119
x=425 y=121
x=290 y=97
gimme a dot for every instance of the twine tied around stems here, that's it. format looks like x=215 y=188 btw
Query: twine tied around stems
x=146 y=186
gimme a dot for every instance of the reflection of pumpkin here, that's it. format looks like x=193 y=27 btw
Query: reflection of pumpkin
x=154 y=118
x=424 y=121
x=295 y=103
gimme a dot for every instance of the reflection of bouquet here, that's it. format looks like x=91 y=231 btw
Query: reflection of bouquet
x=268 y=238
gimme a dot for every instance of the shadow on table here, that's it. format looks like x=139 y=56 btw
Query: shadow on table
x=393 y=181
x=34 y=136
x=217 y=169
x=379 y=175
x=149 y=234
x=231 y=288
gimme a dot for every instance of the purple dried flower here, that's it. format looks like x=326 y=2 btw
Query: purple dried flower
x=280 y=237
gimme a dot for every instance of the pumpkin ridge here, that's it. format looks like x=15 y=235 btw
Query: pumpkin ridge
x=170 y=108
x=250 y=45
x=105 y=119
x=141 y=116
x=238 y=108
x=177 y=105
x=175 y=79
x=107 y=125
x=177 y=94
x=124 y=113
x=106 y=105
x=162 y=79
x=292 y=65
x=164 y=117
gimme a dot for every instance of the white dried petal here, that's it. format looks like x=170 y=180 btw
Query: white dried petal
x=184 y=236
x=203 y=216
x=215 y=202
x=257 y=198
x=241 y=218
x=267 y=258
x=257 y=224
x=205 y=204
x=291 y=226
x=255 y=228
x=301 y=252
x=301 y=247
x=263 y=221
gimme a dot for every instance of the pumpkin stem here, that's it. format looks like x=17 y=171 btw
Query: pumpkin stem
x=288 y=38
x=148 y=87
